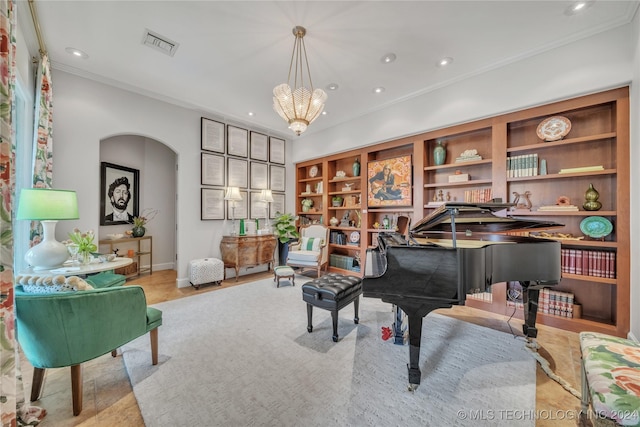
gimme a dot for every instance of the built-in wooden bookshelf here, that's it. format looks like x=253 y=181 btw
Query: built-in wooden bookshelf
x=599 y=136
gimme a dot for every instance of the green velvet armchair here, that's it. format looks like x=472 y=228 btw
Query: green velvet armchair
x=68 y=328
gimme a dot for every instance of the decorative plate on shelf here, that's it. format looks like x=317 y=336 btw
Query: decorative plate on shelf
x=596 y=226
x=313 y=172
x=354 y=237
x=553 y=128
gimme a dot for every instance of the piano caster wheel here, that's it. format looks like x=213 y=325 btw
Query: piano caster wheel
x=309 y=329
x=412 y=387
x=335 y=338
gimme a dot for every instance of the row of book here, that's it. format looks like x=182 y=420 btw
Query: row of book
x=522 y=165
x=338 y=238
x=480 y=195
x=588 y=262
x=557 y=303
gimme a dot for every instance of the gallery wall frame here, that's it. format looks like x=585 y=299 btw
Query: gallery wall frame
x=237 y=141
x=211 y=203
x=258 y=146
x=277 y=178
x=259 y=176
x=278 y=205
x=237 y=173
x=119 y=191
x=276 y=150
x=211 y=135
x=212 y=170
x=242 y=209
x=257 y=208
x=392 y=188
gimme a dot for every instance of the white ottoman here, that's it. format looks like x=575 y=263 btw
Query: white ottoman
x=206 y=270
x=284 y=272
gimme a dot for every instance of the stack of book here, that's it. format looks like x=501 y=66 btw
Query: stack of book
x=338 y=238
x=480 y=195
x=341 y=261
x=558 y=208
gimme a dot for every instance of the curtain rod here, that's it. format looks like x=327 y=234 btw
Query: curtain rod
x=36 y=25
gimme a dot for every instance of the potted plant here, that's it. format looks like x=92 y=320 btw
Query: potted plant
x=306 y=204
x=285 y=231
x=336 y=201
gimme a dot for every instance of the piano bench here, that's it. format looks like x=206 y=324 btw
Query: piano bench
x=332 y=292
x=610 y=378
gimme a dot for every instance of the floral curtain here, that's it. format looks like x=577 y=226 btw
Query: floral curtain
x=8 y=378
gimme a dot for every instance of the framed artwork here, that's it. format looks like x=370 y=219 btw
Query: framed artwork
x=277 y=206
x=211 y=203
x=258 y=147
x=276 y=150
x=237 y=141
x=211 y=135
x=258 y=176
x=257 y=208
x=237 y=173
x=119 y=194
x=389 y=182
x=241 y=209
x=276 y=178
x=212 y=169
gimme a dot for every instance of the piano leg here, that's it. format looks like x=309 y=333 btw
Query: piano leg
x=415 y=337
x=530 y=302
x=398 y=333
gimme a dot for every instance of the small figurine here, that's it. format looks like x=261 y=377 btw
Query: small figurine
x=522 y=205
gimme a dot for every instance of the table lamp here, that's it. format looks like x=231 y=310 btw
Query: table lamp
x=266 y=196
x=233 y=196
x=47 y=206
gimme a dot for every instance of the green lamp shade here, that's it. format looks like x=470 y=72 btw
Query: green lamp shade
x=47 y=204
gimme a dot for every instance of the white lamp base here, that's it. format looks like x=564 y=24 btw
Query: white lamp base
x=49 y=253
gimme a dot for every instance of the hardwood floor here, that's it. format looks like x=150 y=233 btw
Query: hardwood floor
x=109 y=399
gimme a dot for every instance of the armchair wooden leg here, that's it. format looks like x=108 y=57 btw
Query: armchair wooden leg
x=114 y=352
x=76 y=388
x=153 y=334
x=37 y=383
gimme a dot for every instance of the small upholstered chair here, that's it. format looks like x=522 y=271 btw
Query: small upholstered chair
x=62 y=329
x=311 y=250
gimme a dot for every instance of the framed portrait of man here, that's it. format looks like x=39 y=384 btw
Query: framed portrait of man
x=389 y=182
x=119 y=194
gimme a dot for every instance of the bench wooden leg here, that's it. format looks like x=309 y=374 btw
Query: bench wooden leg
x=76 y=388
x=356 y=304
x=334 y=320
x=585 y=390
x=153 y=335
x=36 y=383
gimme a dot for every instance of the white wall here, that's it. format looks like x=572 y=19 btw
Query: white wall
x=157 y=166
x=600 y=62
x=86 y=112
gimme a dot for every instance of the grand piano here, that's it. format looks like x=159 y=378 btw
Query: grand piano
x=459 y=248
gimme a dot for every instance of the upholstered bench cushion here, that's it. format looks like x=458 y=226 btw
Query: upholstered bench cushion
x=612 y=368
x=332 y=288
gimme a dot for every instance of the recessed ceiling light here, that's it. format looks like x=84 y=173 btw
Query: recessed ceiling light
x=324 y=113
x=332 y=86
x=76 y=52
x=250 y=113
x=379 y=89
x=389 y=57
x=444 y=62
x=578 y=7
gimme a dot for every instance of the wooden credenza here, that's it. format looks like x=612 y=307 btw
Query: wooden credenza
x=247 y=251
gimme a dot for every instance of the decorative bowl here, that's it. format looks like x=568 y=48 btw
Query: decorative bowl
x=115 y=236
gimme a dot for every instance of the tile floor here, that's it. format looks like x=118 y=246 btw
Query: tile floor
x=109 y=399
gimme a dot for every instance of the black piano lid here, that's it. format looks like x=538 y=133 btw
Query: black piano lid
x=476 y=217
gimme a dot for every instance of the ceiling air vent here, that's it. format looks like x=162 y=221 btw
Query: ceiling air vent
x=158 y=42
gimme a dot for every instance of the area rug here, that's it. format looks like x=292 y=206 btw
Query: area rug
x=242 y=356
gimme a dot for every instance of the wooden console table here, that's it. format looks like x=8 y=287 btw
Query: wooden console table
x=138 y=254
x=247 y=251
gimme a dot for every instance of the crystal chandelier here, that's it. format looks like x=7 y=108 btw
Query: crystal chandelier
x=298 y=106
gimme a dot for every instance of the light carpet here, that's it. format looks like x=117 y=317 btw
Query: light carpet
x=242 y=356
